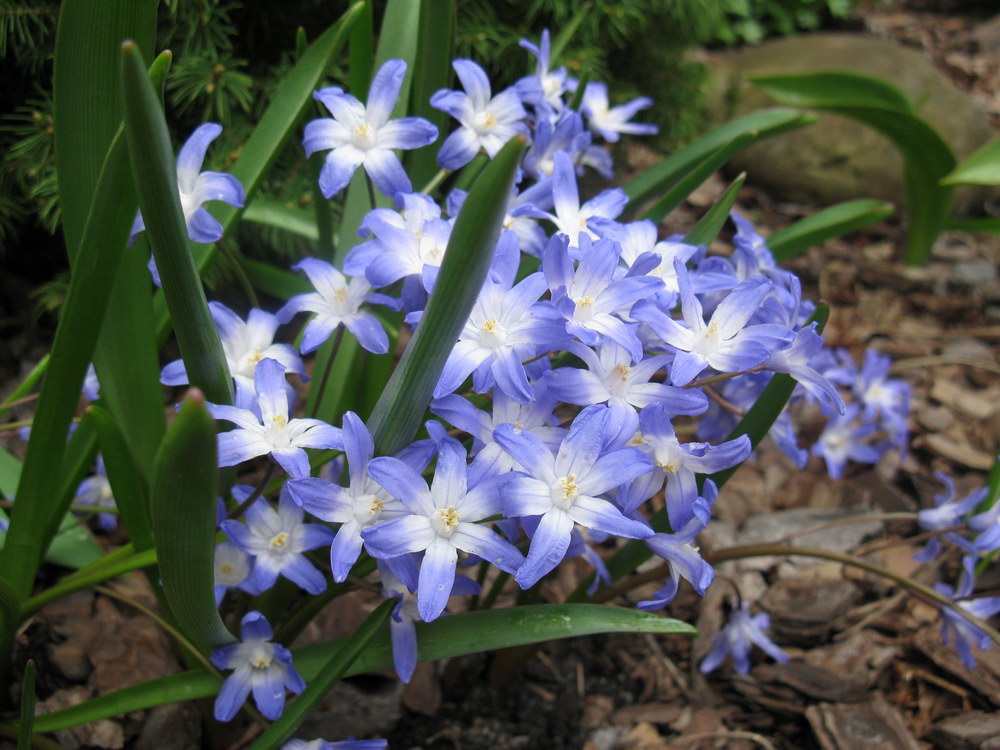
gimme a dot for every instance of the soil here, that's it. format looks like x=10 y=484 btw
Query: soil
x=867 y=669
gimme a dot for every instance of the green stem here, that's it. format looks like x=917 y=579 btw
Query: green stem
x=241 y=274
x=240 y=509
x=327 y=370
x=435 y=181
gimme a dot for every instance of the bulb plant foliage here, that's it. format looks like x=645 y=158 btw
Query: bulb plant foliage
x=601 y=377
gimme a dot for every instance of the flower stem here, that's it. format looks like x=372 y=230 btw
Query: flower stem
x=240 y=509
x=339 y=336
x=241 y=275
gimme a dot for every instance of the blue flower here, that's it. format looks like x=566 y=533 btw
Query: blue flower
x=546 y=86
x=443 y=520
x=736 y=639
x=336 y=302
x=244 y=345
x=365 y=136
x=682 y=558
x=272 y=432
x=488 y=121
x=341 y=745
x=360 y=505
x=96 y=490
x=845 y=438
x=725 y=343
x=259 y=666
x=232 y=568
x=955 y=629
x=565 y=489
x=197 y=187
x=611 y=122
x=277 y=541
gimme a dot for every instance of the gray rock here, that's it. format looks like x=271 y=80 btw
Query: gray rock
x=836 y=158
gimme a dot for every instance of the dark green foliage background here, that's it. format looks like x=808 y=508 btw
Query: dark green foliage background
x=229 y=55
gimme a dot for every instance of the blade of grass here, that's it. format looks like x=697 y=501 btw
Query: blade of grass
x=29 y=382
x=399 y=410
x=182 y=509
x=27 y=721
x=128 y=485
x=982 y=167
x=282 y=216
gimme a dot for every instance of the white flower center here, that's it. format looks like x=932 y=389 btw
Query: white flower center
x=492 y=335
x=261 y=656
x=444 y=520
x=367 y=508
x=564 y=492
x=484 y=122
x=364 y=137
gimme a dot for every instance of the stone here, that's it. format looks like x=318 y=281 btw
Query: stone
x=836 y=158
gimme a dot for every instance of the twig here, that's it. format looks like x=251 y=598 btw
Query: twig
x=338 y=337
x=18 y=402
x=727 y=405
x=946 y=359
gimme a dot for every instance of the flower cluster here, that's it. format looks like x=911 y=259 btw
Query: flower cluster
x=595 y=350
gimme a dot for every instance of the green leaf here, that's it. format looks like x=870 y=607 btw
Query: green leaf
x=126 y=358
x=926 y=155
x=764 y=122
x=277 y=125
x=689 y=183
x=84 y=580
x=128 y=485
x=87 y=97
x=282 y=216
x=565 y=35
x=155 y=172
x=328 y=676
x=709 y=225
x=826 y=224
x=431 y=72
x=27 y=720
x=182 y=509
x=982 y=167
x=10 y=473
x=29 y=382
x=399 y=410
x=983 y=224
x=93 y=274
x=835 y=88
x=466 y=633
x=361 y=52
x=274 y=281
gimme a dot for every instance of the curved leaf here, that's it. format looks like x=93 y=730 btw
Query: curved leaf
x=826 y=224
x=982 y=167
x=282 y=216
x=927 y=157
x=701 y=172
x=466 y=633
x=399 y=410
x=182 y=509
x=709 y=225
x=432 y=72
x=660 y=177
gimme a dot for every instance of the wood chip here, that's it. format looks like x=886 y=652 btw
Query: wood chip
x=974 y=730
x=652 y=713
x=873 y=725
x=985 y=678
x=958 y=451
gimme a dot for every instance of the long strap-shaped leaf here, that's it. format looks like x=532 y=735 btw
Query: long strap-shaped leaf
x=398 y=412
x=826 y=224
x=328 y=676
x=155 y=172
x=662 y=176
x=709 y=225
x=927 y=157
x=88 y=111
x=276 y=126
x=982 y=167
x=466 y=633
x=701 y=172
x=182 y=508
x=432 y=72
